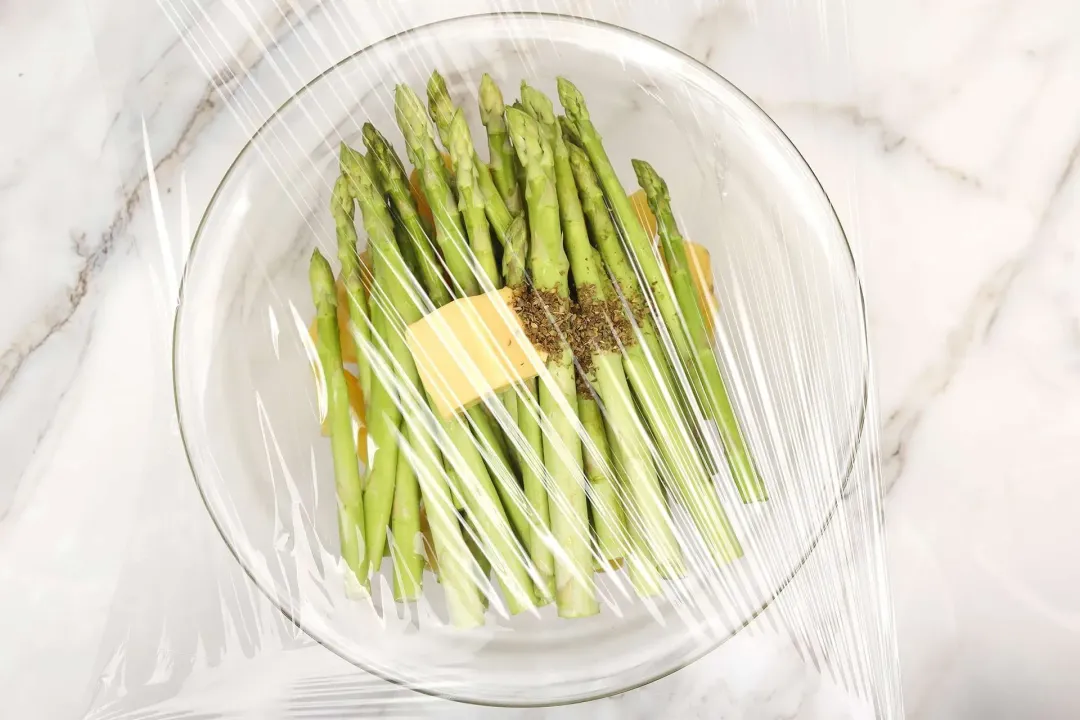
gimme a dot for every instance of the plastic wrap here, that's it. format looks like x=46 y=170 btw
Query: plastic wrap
x=691 y=465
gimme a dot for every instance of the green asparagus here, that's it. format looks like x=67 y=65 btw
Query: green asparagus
x=455 y=560
x=470 y=200
x=480 y=494
x=395 y=181
x=342 y=209
x=648 y=507
x=590 y=451
x=342 y=435
x=449 y=231
x=504 y=170
x=442 y=110
x=683 y=469
x=577 y=117
x=608 y=518
x=531 y=450
x=575 y=591
x=407 y=551
x=747 y=479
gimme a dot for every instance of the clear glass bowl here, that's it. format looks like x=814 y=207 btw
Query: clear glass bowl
x=791 y=335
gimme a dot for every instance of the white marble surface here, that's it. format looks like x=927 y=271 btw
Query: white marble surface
x=948 y=136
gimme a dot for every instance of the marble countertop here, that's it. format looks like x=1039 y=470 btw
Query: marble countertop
x=948 y=137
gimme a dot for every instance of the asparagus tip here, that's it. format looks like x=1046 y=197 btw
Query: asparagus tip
x=436 y=83
x=440 y=106
x=321 y=277
x=459 y=143
x=571 y=99
x=537 y=104
x=522 y=131
x=649 y=180
x=349 y=159
x=340 y=199
x=490 y=100
x=370 y=134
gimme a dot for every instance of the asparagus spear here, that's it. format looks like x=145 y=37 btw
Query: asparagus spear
x=475 y=485
x=442 y=111
x=342 y=437
x=578 y=120
x=473 y=210
x=504 y=171
x=647 y=504
x=747 y=479
x=384 y=413
x=394 y=180
x=384 y=419
x=449 y=232
x=607 y=512
x=443 y=205
x=341 y=209
x=608 y=519
x=470 y=200
x=392 y=177
x=683 y=469
x=531 y=451
x=408 y=548
x=455 y=560
x=575 y=590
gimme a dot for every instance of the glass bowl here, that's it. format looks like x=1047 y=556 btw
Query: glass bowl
x=791 y=336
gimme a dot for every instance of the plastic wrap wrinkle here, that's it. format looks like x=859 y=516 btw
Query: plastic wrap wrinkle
x=530 y=608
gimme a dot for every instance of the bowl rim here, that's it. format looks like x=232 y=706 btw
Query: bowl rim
x=287 y=608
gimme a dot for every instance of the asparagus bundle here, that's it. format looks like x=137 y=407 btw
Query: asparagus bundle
x=567 y=470
x=485 y=507
x=647 y=508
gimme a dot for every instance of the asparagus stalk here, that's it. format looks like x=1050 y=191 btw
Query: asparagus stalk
x=408 y=548
x=342 y=209
x=478 y=492
x=442 y=110
x=473 y=210
x=342 y=437
x=531 y=451
x=443 y=205
x=455 y=560
x=746 y=477
x=504 y=171
x=392 y=177
x=470 y=200
x=608 y=519
x=449 y=232
x=575 y=590
x=384 y=413
x=384 y=419
x=648 y=506
x=683 y=469
x=607 y=513
x=578 y=120
x=395 y=181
